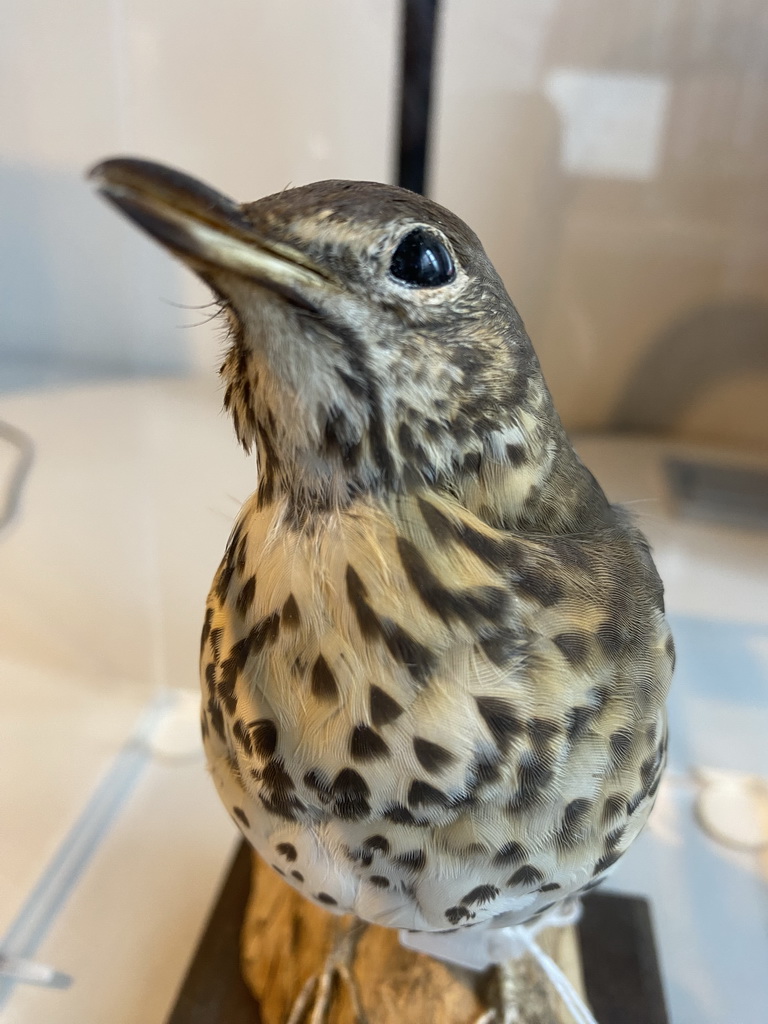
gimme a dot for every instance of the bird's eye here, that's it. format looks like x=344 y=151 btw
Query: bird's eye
x=422 y=261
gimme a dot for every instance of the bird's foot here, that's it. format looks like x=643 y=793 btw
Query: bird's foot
x=313 y=1003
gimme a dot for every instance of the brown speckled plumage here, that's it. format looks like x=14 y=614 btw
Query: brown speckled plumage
x=434 y=660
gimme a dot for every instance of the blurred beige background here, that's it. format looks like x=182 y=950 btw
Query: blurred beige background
x=612 y=154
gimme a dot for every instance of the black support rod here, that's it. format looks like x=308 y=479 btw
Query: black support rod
x=419 y=21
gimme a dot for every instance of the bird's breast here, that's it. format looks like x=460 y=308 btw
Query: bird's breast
x=464 y=692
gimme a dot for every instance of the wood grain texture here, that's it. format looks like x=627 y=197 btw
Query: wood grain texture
x=286 y=940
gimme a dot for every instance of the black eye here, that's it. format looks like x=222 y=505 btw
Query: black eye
x=422 y=261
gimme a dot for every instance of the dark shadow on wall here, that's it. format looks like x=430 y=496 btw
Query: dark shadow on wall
x=713 y=343
x=81 y=294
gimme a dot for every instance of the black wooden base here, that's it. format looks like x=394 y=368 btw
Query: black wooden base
x=618 y=958
x=621 y=972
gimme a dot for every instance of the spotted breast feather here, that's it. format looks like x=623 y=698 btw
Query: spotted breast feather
x=427 y=721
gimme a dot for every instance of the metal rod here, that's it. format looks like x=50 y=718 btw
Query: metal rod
x=419 y=22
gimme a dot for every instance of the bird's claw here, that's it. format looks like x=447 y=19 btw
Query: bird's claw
x=316 y=994
x=489 y=1017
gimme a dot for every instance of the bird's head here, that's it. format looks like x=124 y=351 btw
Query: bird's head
x=373 y=347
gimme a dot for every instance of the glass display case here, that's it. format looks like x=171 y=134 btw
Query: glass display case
x=612 y=157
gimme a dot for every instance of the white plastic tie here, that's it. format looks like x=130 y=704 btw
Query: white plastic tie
x=511 y=943
x=497 y=945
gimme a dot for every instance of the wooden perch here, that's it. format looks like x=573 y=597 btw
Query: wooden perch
x=286 y=940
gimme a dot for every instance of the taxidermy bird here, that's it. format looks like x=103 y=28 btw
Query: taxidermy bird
x=434 y=659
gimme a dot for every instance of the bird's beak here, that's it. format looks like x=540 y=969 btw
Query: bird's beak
x=206 y=229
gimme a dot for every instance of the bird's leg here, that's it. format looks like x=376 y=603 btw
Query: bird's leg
x=313 y=1002
x=512 y=979
x=509 y=977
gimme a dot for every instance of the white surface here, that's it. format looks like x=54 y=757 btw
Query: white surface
x=103 y=578
x=102 y=583
x=130 y=928
x=613 y=124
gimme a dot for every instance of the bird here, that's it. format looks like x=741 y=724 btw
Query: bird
x=435 y=658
